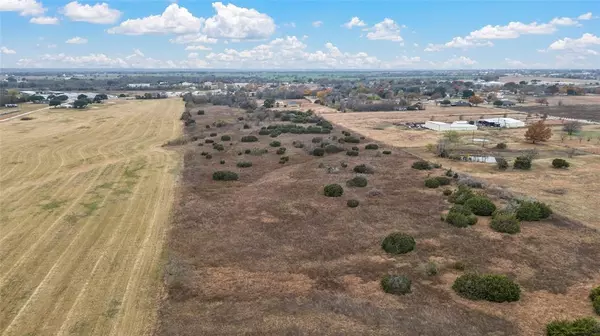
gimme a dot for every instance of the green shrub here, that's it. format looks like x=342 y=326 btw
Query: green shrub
x=247 y=151
x=447 y=192
x=249 y=138
x=596 y=305
x=363 y=169
x=264 y=131
x=213 y=134
x=501 y=145
x=344 y=164
x=436 y=165
x=505 y=223
x=209 y=141
x=587 y=326
x=372 y=146
x=354 y=148
x=298 y=144
x=387 y=152
x=224 y=175
x=244 y=164
x=352 y=153
x=333 y=190
x=481 y=206
x=246 y=126
x=449 y=173
x=533 y=211
x=396 y=284
x=560 y=163
x=489 y=287
x=208 y=156
x=432 y=183
x=317 y=139
x=352 y=203
x=459 y=266
x=443 y=180
x=318 y=152
x=218 y=147
x=275 y=134
x=275 y=144
x=501 y=163
x=462 y=209
x=421 y=165
x=346 y=133
x=225 y=138
x=351 y=139
x=280 y=151
x=430 y=268
x=461 y=195
x=222 y=162
x=398 y=243
x=460 y=220
x=200 y=112
x=284 y=159
x=357 y=181
x=522 y=162
x=333 y=149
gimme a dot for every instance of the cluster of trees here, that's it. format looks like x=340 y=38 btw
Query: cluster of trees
x=238 y=99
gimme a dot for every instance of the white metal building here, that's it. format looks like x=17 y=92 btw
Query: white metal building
x=455 y=126
x=506 y=122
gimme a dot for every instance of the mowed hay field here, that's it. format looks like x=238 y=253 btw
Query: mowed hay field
x=270 y=254
x=85 y=197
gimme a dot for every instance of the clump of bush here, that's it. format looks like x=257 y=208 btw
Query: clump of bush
x=244 y=164
x=280 y=151
x=333 y=149
x=209 y=141
x=532 y=211
x=225 y=175
x=470 y=181
x=351 y=139
x=213 y=134
x=275 y=134
x=246 y=126
x=443 y=180
x=481 y=206
x=200 y=112
x=222 y=162
x=218 y=147
x=387 y=152
x=208 y=156
x=422 y=165
x=501 y=163
x=447 y=192
x=298 y=144
x=522 y=162
x=284 y=159
x=505 y=223
x=352 y=153
x=346 y=133
x=357 y=181
x=460 y=220
x=354 y=148
x=461 y=195
x=372 y=146
x=352 y=203
x=317 y=139
x=595 y=297
x=489 y=287
x=396 y=284
x=225 y=138
x=560 y=163
x=432 y=183
x=318 y=152
x=264 y=131
x=586 y=326
x=333 y=190
x=275 y=144
x=398 y=243
x=364 y=169
x=249 y=138
x=501 y=145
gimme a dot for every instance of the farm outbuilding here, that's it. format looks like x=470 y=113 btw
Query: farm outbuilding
x=455 y=126
x=505 y=122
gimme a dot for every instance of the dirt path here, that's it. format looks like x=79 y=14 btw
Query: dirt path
x=85 y=197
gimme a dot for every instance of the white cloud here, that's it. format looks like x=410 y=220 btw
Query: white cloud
x=304 y=37
x=51 y=46
x=564 y=21
x=586 y=16
x=6 y=51
x=44 y=20
x=197 y=47
x=136 y=53
x=433 y=47
x=290 y=24
x=459 y=42
x=354 y=22
x=193 y=38
x=458 y=62
x=385 y=30
x=317 y=24
x=193 y=55
x=77 y=40
x=174 y=20
x=24 y=7
x=91 y=60
x=99 y=13
x=514 y=63
x=585 y=41
x=416 y=45
x=234 y=22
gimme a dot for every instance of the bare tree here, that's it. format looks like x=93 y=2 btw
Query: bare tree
x=521 y=99
x=572 y=127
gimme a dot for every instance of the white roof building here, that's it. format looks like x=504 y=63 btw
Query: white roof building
x=455 y=126
x=506 y=122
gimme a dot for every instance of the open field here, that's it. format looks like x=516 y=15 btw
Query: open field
x=84 y=202
x=583 y=112
x=506 y=79
x=269 y=254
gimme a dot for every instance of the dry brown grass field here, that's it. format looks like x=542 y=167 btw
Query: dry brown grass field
x=85 y=198
x=269 y=254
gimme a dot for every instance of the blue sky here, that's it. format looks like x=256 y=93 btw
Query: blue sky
x=289 y=34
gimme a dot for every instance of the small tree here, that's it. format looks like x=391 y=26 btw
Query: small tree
x=521 y=99
x=475 y=100
x=572 y=127
x=269 y=102
x=80 y=103
x=542 y=101
x=55 y=102
x=82 y=96
x=498 y=103
x=538 y=132
x=451 y=136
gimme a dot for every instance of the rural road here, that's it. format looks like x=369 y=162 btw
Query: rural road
x=23 y=114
